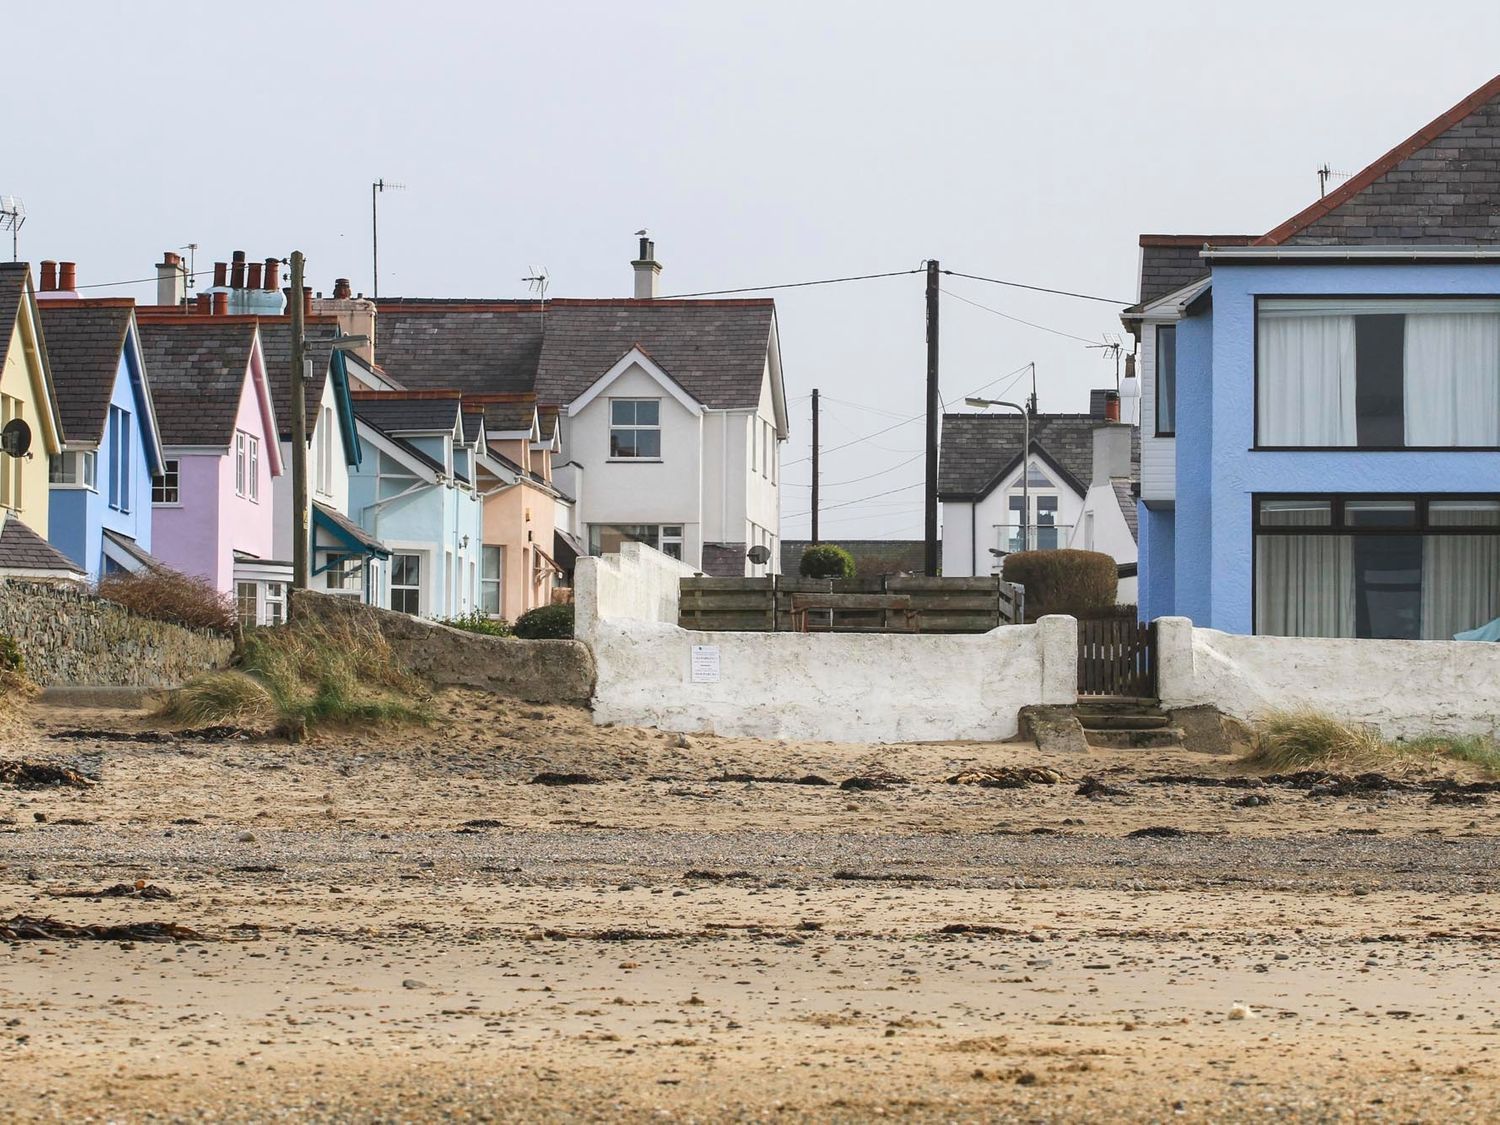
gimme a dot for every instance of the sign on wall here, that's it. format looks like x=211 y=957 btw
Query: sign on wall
x=705 y=664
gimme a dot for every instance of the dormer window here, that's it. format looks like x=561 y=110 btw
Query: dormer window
x=635 y=429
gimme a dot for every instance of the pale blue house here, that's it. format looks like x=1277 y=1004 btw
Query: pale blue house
x=101 y=483
x=415 y=491
x=1321 y=405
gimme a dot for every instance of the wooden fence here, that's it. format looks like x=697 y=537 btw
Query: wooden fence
x=939 y=605
x=1116 y=656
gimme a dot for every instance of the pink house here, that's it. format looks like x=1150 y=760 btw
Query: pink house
x=212 y=508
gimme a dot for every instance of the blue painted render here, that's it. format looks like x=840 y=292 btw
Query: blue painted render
x=1218 y=471
x=79 y=516
x=1157 y=574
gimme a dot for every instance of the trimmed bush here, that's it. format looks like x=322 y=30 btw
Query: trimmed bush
x=166 y=595
x=545 y=623
x=476 y=622
x=826 y=560
x=11 y=659
x=1081 y=583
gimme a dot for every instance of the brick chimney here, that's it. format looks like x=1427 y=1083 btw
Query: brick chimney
x=47 y=279
x=647 y=270
x=171 y=280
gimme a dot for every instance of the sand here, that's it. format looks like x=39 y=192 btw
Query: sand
x=405 y=929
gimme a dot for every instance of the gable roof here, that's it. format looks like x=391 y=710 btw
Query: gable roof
x=1125 y=497
x=198 y=370
x=16 y=292
x=276 y=349
x=1441 y=185
x=716 y=350
x=980 y=450
x=24 y=550
x=84 y=343
x=408 y=412
x=12 y=292
x=1171 y=261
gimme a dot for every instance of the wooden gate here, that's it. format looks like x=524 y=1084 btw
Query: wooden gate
x=1117 y=656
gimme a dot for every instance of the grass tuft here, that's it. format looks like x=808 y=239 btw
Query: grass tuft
x=1298 y=740
x=229 y=698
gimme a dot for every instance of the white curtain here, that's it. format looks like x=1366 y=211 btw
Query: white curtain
x=1306 y=379
x=1460 y=577
x=1304 y=584
x=1452 y=381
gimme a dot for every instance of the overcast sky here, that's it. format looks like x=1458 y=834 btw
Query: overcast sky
x=761 y=143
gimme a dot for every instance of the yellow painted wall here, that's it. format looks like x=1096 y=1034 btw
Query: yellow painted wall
x=18 y=381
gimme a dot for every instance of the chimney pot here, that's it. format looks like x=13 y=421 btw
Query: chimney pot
x=237 y=270
x=1112 y=407
x=221 y=274
x=204 y=302
x=221 y=303
x=252 y=276
x=307 y=300
x=272 y=275
x=342 y=290
x=170 y=259
x=67 y=276
x=48 y=281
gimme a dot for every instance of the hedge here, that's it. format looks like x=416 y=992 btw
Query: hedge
x=1080 y=583
x=825 y=560
x=545 y=623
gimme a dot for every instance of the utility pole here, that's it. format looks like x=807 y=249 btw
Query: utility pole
x=298 y=407
x=934 y=416
x=815 y=465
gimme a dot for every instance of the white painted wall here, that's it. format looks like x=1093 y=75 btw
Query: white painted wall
x=820 y=686
x=1405 y=688
x=1158 y=455
x=336 y=497
x=994 y=510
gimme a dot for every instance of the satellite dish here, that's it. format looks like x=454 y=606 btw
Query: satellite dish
x=15 y=438
x=759 y=554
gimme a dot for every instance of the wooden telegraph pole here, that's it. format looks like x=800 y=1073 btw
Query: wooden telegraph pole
x=815 y=465
x=934 y=416
x=298 y=407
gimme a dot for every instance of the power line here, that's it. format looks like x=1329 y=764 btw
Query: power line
x=857 y=480
x=862 y=499
x=791 y=285
x=1038 y=288
x=1018 y=320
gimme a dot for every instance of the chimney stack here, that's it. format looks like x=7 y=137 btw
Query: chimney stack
x=47 y=282
x=647 y=270
x=342 y=290
x=171 y=280
x=237 y=270
x=205 y=304
x=221 y=274
x=1111 y=451
x=252 y=276
x=221 y=303
x=272 y=275
x=67 y=276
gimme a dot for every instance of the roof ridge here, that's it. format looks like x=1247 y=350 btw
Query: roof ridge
x=1372 y=172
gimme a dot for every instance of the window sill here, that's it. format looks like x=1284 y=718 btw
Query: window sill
x=1374 y=449
x=72 y=487
x=634 y=461
x=166 y=503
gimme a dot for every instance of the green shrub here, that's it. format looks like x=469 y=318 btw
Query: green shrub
x=11 y=659
x=826 y=560
x=1064 y=581
x=545 y=623
x=476 y=622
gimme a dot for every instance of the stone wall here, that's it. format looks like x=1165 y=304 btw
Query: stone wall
x=69 y=636
x=540 y=671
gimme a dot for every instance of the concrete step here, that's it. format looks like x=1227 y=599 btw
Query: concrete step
x=1158 y=739
x=1122 y=721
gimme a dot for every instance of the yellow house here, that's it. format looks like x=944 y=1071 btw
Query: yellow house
x=26 y=397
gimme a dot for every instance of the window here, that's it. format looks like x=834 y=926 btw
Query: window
x=765 y=449
x=10 y=467
x=166 y=489
x=324 y=444
x=72 y=470
x=1038 y=529
x=118 y=445
x=492 y=580
x=275 y=603
x=343 y=576
x=246 y=465
x=1383 y=566
x=670 y=542
x=635 y=428
x=605 y=538
x=247 y=602
x=406 y=583
x=1166 y=380
x=1378 y=374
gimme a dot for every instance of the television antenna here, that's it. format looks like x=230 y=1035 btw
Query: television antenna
x=537 y=282
x=12 y=218
x=1111 y=348
x=380 y=185
x=192 y=270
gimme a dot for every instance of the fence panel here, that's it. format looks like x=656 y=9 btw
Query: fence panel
x=941 y=605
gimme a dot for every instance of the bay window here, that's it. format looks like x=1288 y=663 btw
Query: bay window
x=1386 y=373
x=72 y=469
x=1408 y=567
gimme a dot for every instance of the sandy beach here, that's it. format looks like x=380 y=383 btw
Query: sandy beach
x=403 y=926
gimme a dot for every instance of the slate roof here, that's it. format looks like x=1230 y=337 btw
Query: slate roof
x=977 y=448
x=23 y=549
x=1170 y=261
x=84 y=342
x=473 y=422
x=276 y=347
x=351 y=529
x=547 y=415
x=12 y=293
x=724 y=560
x=716 y=350
x=395 y=413
x=134 y=550
x=873 y=558
x=508 y=417
x=1125 y=496
x=1440 y=186
x=198 y=370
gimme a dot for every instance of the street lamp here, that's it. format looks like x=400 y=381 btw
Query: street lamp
x=984 y=404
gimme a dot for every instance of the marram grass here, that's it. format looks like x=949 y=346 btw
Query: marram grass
x=1298 y=740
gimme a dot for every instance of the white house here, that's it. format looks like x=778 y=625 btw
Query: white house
x=1073 y=489
x=671 y=412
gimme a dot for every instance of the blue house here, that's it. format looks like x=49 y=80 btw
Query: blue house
x=101 y=482
x=1321 y=404
x=416 y=493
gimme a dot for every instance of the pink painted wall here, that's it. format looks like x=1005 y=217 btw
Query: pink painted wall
x=200 y=536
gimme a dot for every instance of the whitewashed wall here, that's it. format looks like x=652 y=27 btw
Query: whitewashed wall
x=1405 y=688
x=819 y=686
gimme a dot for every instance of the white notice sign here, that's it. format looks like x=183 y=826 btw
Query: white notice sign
x=705 y=664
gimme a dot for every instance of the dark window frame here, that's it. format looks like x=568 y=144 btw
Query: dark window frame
x=1255 y=443
x=1156 y=375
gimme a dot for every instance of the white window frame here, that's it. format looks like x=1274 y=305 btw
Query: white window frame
x=497 y=583
x=171 y=471
x=247 y=466
x=421 y=557
x=118 y=434
x=63 y=470
x=247 y=614
x=273 y=596
x=634 y=427
x=11 y=408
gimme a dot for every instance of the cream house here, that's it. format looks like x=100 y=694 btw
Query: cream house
x=27 y=402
